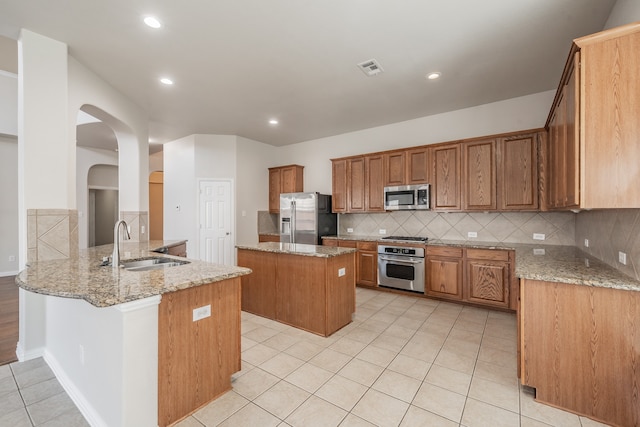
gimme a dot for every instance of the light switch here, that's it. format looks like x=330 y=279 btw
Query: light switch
x=341 y=272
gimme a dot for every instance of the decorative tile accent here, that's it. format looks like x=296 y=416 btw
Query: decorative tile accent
x=267 y=222
x=508 y=227
x=51 y=234
x=136 y=220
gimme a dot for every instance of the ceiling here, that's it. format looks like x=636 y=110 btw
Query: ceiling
x=237 y=64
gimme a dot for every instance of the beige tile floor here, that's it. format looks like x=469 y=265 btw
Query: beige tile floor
x=30 y=395
x=404 y=361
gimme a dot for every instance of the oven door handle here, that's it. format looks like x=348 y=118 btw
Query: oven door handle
x=400 y=261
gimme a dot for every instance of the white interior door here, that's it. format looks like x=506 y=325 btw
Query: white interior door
x=216 y=240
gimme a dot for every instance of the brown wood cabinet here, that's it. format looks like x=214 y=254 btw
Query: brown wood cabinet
x=357 y=184
x=518 y=172
x=366 y=259
x=178 y=250
x=477 y=276
x=479 y=175
x=579 y=349
x=268 y=238
x=592 y=128
x=307 y=292
x=418 y=166
x=394 y=167
x=196 y=359
x=445 y=191
x=488 y=280
x=284 y=179
x=444 y=272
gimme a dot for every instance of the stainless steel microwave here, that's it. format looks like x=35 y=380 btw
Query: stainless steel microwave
x=406 y=197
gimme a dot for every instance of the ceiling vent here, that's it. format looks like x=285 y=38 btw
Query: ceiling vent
x=370 y=67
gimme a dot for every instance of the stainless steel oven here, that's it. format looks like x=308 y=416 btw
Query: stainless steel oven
x=401 y=267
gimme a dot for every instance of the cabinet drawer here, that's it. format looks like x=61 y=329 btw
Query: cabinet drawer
x=347 y=243
x=368 y=246
x=444 y=251
x=490 y=254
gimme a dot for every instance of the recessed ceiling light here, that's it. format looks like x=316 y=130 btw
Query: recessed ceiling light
x=273 y=122
x=433 y=76
x=152 y=22
x=166 y=81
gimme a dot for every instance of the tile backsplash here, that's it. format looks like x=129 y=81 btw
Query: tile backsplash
x=609 y=232
x=509 y=227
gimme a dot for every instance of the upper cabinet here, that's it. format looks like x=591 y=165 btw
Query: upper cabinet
x=518 y=172
x=592 y=151
x=418 y=166
x=284 y=179
x=479 y=175
x=395 y=171
x=445 y=191
x=357 y=184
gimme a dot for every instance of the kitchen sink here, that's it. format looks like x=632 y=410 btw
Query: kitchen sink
x=152 y=263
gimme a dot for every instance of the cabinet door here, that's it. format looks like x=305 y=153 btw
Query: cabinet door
x=355 y=185
x=572 y=140
x=291 y=179
x=339 y=186
x=367 y=264
x=274 y=189
x=395 y=172
x=488 y=282
x=479 y=186
x=444 y=272
x=518 y=173
x=418 y=166
x=374 y=187
x=446 y=181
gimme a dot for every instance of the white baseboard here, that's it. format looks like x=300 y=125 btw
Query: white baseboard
x=9 y=273
x=28 y=355
x=87 y=410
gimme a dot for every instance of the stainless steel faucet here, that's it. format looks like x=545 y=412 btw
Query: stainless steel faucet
x=115 y=258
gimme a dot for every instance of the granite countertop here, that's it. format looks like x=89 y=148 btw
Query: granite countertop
x=102 y=286
x=298 y=249
x=564 y=264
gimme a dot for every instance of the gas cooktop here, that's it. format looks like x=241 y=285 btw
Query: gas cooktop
x=406 y=238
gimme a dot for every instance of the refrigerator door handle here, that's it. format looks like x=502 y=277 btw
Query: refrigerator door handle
x=293 y=222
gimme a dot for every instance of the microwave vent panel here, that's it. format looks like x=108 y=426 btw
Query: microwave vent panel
x=370 y=67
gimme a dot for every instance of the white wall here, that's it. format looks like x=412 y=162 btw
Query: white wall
x=522 y=113
x=623 y=12
x=252 y=186
x=180 y=192
x=8 y=103
x=8 y=205
x=156 y=162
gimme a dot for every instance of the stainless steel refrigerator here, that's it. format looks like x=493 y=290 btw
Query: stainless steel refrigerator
x=306 y=217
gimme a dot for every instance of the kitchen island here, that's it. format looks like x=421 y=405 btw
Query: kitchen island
x=142 y=348
x=307 y=286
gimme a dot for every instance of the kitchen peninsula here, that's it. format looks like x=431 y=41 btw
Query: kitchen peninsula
x=125 y=344
x=307 y=286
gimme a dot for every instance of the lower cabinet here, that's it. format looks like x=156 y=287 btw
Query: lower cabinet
x=479 y=276
x=444 y=272
x=268 y=238
x=366 y=259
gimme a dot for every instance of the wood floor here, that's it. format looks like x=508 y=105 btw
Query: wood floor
x=8 y=319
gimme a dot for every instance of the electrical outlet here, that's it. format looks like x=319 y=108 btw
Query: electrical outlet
x=538 y=251
x=342 y=271
x=622 y=258
x=142 y=229
x=586 y=243
x=349 y=230
x=472 y=234
x=538 y=236
x=12 y=258
x=201 y=312
x=382 y=231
